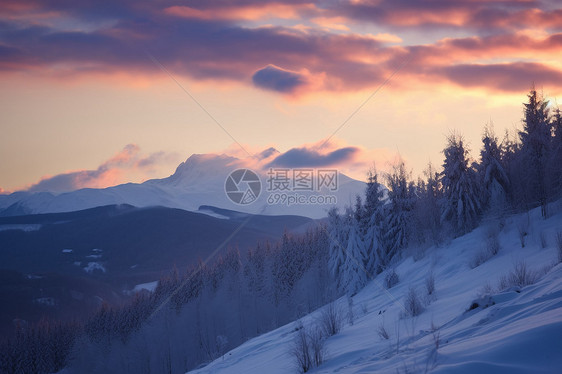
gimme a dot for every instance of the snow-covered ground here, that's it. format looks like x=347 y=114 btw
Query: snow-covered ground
x=149 y=286
x=94 y=266
x=468 y=326
x=26 y=227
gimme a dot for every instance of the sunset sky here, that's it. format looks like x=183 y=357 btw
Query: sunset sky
x=91 y=89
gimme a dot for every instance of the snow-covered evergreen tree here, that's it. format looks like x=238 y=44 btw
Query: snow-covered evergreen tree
x=555 y=166
x=339 y=234
x=492 y=175
x=353 y=276
x=347 y=251
x=461 y=193
x=395 y=225
x=373 y=215
x=427 y=215
x=535 y=149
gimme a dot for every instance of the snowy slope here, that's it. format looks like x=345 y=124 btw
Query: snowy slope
x=197 y=181
x=518 y=330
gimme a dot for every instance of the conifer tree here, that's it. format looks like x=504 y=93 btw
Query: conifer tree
x=461 y=194
x=535 y=149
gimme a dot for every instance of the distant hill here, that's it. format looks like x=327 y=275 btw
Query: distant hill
x=75 y=260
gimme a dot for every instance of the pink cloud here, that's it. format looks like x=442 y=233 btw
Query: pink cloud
x=249 y=12
x=127 y=163
x=218 y=43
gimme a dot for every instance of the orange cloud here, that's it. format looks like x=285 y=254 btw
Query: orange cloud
x=127 y=163
x=252 y=12
x=291 y=60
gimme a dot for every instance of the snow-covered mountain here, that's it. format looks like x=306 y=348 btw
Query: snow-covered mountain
x=200 y=180
x=472 y=322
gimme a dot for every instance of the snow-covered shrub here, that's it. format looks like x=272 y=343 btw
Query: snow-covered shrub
x=492 y=249
x=364 y=308
x=391 y=278
x=331 y=319
x=308 y=348
x=493 y=244
x=317 y=340
x=381 y=331
x=480 y=258
x=412 y=304
x=430 y=283
x=485 y=290
x=301 y=351
x=520 y=276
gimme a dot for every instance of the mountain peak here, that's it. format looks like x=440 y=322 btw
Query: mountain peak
x=201 y=167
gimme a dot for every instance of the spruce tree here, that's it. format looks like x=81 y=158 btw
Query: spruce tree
x=461 y=201
x=492 y=175
x=395 y=225
x=535 y=149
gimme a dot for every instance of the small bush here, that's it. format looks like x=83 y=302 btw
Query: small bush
x=520 y=276
x=493 y=245
x=412 y=304
x=331 y=319
x=492 y=249
x=381 y=331
x=418 y=253
x=364 y=308
x=308 y=348
x=391 y=278
x=430 y=283
x=301 y=351
x=317 y=341
x=485 y=290
x=480 y=258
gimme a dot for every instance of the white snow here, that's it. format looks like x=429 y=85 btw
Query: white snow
x=149 y=286
x=93 y=266
x=22 y=227
x=212 y=214
x=519 y=332
x=197 y=181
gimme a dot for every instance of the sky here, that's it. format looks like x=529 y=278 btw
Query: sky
x=94 y=94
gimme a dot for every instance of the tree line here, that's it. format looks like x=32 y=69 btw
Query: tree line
x=515 y=174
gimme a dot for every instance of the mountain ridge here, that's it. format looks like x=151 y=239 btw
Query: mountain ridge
x=197 y=181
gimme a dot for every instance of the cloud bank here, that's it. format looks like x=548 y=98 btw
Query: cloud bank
x=118 y=169
x=271 y=43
